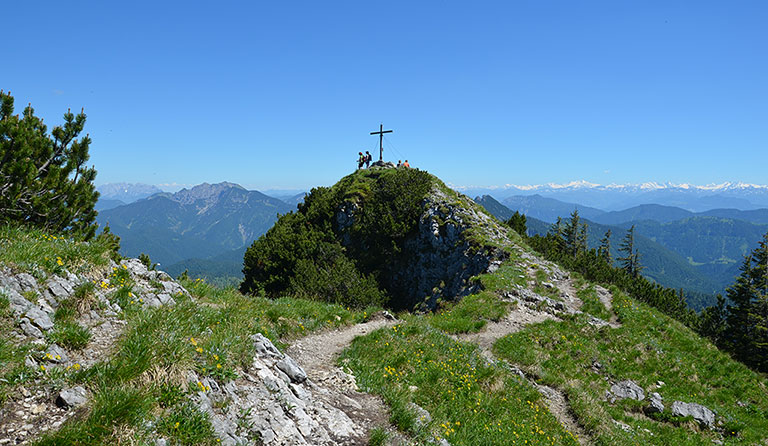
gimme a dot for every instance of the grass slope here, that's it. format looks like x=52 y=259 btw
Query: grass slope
x=647 y=348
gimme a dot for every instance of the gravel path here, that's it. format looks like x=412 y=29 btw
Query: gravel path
x=317 y=355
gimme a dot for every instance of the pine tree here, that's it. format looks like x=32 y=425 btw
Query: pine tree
x=556 y=233
x=604 y=251
x=575 y=234
x=518 y=222
x=747 y=319
x=630 y=262
x=44 y=181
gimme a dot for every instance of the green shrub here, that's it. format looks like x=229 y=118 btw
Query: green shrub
x=303 y=252
x=339 y=282
x=45 y=180
x=146 y=261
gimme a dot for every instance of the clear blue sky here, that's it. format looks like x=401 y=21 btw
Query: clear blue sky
x=284 y=94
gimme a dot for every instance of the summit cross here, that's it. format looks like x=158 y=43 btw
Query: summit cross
x=381 y=133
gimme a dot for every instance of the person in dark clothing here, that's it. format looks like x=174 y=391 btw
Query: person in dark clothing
x=368 y=159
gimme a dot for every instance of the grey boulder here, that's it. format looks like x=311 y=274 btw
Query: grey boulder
x=59 y=287
x=72 y=397
x=701 y=414
x=39 y=318
x=623 y=390
x=655 y=403
x=56 y=354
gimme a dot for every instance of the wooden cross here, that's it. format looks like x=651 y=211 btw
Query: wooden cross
x=381 y=133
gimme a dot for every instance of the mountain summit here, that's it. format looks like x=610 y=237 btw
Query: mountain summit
x=397 y=230
x=208 y=193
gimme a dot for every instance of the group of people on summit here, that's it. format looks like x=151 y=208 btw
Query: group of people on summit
x=365 y=159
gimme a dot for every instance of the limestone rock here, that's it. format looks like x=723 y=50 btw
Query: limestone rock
x=701 y=414
x=72 y=397
x=655 y=404
x=384 y=164
x=597 y=322
x=264 y=346
x=623 y=426
x=56 y=354
x=19 y=305
x=625 y=390
x=29 y=329
x=166 y=299
x=135 y=267
x=39 y=318
x=59 y=287
x=160 y=276
x=26 y=282
x=293 y=370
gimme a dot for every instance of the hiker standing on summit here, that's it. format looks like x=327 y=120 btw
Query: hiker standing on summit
x=368 y=159
x=360 y=160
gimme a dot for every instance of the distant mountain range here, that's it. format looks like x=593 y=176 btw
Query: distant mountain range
x=195 y=226
x=124 y=193
x=548 y=209
x=612 y=197
x=699 y=252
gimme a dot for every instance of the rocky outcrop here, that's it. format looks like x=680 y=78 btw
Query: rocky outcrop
x=273 y=403
x=440 y=259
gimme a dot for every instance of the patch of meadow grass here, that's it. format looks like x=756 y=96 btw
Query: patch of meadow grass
x=377 y=437
x=505 y=278
x=592 y=304
x=69 y=334
x=649 y=347
x=186 y=425
x=42 y=254
x=471 y=401
x=81 y=301
x=539 y=278
x=470 y=314
x=111 y=409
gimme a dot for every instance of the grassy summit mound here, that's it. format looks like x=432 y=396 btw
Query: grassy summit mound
x=398 y=237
